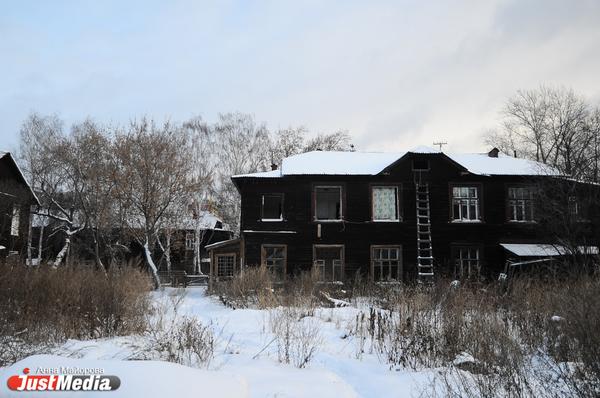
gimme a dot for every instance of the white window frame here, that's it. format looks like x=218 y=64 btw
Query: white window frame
x=515 y=203
x=398 y=259
x=467 y=201
x=15 y=220
x=315 y=216
x=397 y=196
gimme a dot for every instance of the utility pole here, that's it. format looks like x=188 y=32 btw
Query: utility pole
x=440 y=144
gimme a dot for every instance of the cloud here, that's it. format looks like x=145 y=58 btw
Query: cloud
x=395 y=74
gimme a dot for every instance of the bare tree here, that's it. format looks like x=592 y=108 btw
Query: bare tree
x=46 y=150
x=287 y=142
x=550 y=125
x=153 y=177
x=336 y=141
x=36 y=132
x=243 y=145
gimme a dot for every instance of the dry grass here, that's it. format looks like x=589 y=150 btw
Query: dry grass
x=526 y=338
x=44 y=306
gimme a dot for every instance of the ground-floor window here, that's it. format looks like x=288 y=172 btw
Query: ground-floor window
x=225 y=264
x=386 y=263
x=468 y=261
x=328 y=262
x=274 y=257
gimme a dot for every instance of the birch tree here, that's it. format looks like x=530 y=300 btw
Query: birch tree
x=203 y=162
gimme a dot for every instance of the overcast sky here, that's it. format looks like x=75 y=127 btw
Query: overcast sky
x=394 y=74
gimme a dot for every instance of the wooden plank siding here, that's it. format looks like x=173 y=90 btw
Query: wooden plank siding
x=358 y=232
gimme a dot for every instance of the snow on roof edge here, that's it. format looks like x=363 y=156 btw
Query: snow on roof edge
x=372 y=163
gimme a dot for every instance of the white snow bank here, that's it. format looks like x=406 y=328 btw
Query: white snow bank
x=147 y=379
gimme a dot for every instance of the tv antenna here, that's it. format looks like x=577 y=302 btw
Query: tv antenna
x=440 y=144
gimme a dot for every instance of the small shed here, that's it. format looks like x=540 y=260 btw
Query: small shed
x=225 y=258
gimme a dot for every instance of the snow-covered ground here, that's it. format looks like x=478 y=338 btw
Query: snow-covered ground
x=245 y=362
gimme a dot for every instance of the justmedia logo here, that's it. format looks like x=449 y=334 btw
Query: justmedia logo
x=62 y=382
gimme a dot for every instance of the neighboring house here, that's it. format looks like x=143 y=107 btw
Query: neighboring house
x=393 y=216
x=16 y=199
x=204 y=229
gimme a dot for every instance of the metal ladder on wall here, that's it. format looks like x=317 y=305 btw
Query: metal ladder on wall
x=424 y=246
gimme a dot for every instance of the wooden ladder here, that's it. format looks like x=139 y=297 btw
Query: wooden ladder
x=424 y=246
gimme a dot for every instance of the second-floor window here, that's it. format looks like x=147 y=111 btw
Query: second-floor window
x=190 y=240
x=328 y=203
x=465 y=204
x=385 y=203
x=272 y=207
x=520 y=204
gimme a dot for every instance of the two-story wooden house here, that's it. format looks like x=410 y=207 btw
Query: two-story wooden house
x=393 y=216
x=16 y=198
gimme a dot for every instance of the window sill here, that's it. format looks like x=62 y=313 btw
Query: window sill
x=522 y=222
x=387 y=221
x=327 y=221
x=466 y=222
x=271 y=220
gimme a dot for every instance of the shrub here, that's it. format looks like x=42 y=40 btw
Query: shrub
x=175 y=338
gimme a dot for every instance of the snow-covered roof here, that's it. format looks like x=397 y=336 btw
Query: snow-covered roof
x=206 y=220
x=371 y=163
x=479 y=163
x=543 y=249
x=222 y=243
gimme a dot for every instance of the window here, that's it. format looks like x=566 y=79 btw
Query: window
x=465 y=204
x=328 y=203
x=385 y=203
x=190 y=240
x=467 y=262
x=328 y=261
x=225 y=265
x=574 y=207
x=520 y=204
x=274 y=257
x=272 y=207
x=386 y=263
x=16 y=217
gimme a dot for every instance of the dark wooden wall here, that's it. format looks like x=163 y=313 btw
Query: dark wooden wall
x=13 y=184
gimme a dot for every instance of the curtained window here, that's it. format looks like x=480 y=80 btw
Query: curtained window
x=385 y=203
